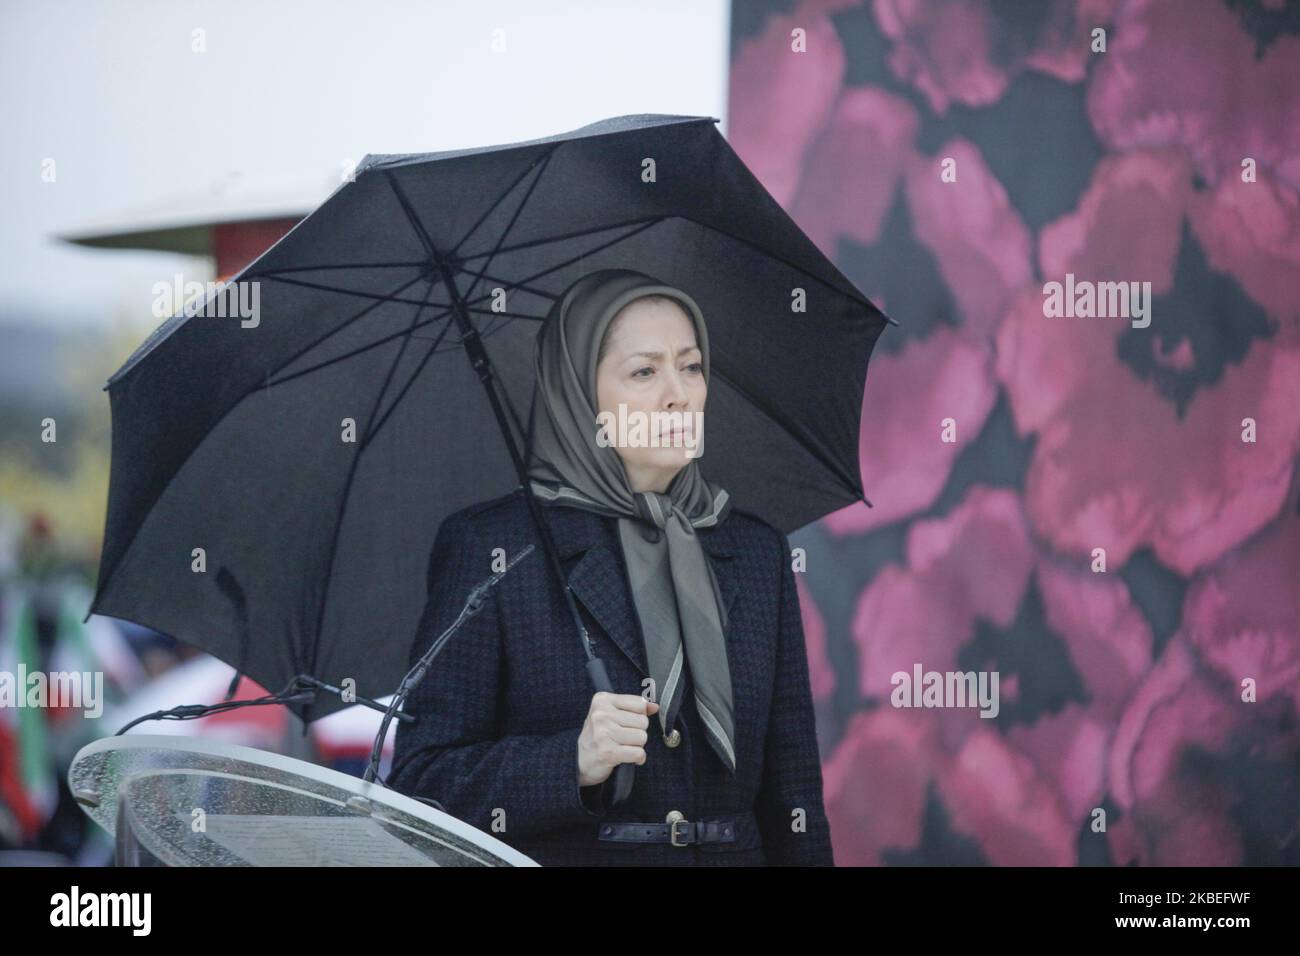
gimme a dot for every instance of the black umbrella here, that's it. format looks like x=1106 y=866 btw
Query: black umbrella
x=312 y=446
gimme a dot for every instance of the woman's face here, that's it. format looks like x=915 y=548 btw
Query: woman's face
x=653 y=364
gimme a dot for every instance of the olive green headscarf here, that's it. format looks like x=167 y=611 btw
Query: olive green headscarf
x=673 y=585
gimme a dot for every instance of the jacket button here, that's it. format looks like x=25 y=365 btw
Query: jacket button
x=674 y=816
x=673 y=739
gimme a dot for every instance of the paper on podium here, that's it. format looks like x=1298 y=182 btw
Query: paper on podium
x=310 y=841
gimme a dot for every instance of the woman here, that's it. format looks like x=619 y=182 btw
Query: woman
x=691 y=605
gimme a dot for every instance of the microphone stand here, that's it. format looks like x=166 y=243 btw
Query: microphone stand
x=473 y=604
x=300 y=690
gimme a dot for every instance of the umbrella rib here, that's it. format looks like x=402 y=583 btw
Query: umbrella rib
x=785 y=426
x=380 y=298
x=510 y=405
x=327 y=268
x=647 y=220
x=513 y=219
x=421 y=324
x=449 y=279
x=339 y=328
x=420 y=232
x=506 y=282
x=377 y=297
x=543 y=159
x=513 y=315
x=786 y=262
x=343 y=506
x=372 y=433
x=703 y=225
x=363 y=348
x=388 y=338
x=427 y=241
x=645 y=224
x=486 y=333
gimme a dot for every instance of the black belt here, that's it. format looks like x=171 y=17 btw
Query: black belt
x=679 y=833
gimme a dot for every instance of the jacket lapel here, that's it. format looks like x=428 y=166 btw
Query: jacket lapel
x=599 y=579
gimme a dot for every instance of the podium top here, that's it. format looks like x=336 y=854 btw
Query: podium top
x=195 y=802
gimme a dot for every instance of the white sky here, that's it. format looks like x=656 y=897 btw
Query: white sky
x=293 y=89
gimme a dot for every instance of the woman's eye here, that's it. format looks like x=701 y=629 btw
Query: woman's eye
x=696 y=366
x=638 y=372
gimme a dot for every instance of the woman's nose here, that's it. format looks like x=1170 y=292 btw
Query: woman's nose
x=675 y=393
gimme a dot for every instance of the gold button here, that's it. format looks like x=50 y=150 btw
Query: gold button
x=674 y=816
x=673 y=739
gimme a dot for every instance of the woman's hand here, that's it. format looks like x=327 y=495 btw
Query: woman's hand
x=614 y=733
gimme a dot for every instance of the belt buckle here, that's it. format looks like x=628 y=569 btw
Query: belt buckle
x=672 y=833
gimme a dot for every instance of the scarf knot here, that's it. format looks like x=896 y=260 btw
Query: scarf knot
x=657 y=509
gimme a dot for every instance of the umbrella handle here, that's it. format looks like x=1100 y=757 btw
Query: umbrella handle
x=624 y=773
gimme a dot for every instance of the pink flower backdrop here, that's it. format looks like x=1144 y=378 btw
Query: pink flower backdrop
x=1121 y=691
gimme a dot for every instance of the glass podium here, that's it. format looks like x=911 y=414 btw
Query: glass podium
x=181 y=801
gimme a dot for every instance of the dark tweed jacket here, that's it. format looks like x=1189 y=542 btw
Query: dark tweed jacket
x=500 y=712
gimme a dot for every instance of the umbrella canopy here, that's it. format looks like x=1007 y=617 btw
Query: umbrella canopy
x=311 y=445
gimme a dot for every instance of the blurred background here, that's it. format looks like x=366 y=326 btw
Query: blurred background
x=154 y=144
